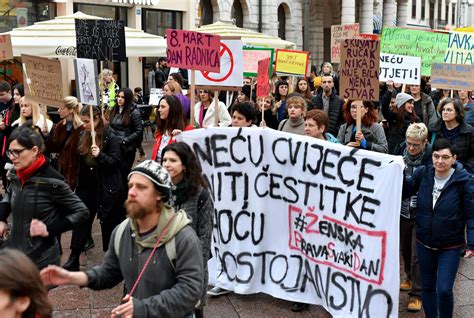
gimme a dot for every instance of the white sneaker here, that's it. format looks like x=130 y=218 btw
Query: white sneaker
x=217 y=291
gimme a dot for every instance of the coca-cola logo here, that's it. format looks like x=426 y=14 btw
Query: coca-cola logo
x=71 y=50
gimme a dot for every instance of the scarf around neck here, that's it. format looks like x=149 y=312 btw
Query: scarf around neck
x=26 y=173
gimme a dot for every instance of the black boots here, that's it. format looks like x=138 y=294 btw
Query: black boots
x=72 y=263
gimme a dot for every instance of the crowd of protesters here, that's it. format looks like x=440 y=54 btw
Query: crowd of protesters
x=60 y=177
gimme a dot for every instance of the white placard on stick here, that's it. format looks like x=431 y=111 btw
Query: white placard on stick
x=87 y=81
x=400 y=69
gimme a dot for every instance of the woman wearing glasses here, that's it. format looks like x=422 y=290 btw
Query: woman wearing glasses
x=371 y=136
x=39 y=199
x=445 y=200
x=452 y=126
x=399 y=120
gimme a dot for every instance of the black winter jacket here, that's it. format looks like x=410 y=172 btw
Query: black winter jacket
x=443 y=226
x=46 y=197
x=334 y=112
x=131 y=135
x=464 y=143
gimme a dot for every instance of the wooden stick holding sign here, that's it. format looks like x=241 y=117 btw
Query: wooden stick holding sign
x=91 y=113
x=44 y=111
x=216 y=108
x=101 y=86
x=193 y=97
x=404 y=87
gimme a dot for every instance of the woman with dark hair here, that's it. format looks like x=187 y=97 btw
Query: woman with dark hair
x=302 y=87
x=444 y=219
x=169 y=123
x=126 y=120
x=281 y=93
x=371 y=136
x=204 y=111
x=39 y=199
x=190 y=193
x=11 y=115
x=399 y=120
x=22 y=292
x=99 y=184
x=452 y=126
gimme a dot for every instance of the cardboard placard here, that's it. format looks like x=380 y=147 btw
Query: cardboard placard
x=102 y=40
x=87 y=87
x=291 y=62
x=43 y=80
x=338 y=34
x=231 y=72
x=460 y=48
x=252 y=56
x=360 y=60
x=193 y=50
x=430 y=46
x=6 y=50
x=263 y=89
x=452 y=76
x=400 y=69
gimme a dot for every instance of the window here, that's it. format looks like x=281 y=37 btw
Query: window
x=207 y=14
x=453 y=17
x=110 y=12
x=413 y=9
x=422 y=9
x=281 y=22
x=237 y=14
x=15 y=14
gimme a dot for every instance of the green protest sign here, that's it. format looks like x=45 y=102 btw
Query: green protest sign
x=430 y=46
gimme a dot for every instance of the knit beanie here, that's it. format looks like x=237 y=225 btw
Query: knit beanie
x=402 y=98
x=152 y=170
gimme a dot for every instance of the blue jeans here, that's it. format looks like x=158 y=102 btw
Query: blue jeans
x=438 y=271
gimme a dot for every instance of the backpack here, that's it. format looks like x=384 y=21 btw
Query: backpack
x=170 y=246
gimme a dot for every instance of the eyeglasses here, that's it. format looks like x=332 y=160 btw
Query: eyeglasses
x=414 y=146
x=15 y=153
x=443 y=158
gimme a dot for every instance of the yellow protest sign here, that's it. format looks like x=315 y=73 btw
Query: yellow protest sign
x=291 y=62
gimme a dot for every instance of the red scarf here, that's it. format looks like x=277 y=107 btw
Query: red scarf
x=26 y=173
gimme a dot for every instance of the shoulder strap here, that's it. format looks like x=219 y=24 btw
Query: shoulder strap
x=433 y=137
x=118 y=235
x=284 y=123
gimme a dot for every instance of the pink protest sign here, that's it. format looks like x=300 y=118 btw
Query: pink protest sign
x=263 y=78
x=252 y=55
x=193 y=50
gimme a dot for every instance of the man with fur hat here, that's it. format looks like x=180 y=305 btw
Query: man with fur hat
x=154 y=251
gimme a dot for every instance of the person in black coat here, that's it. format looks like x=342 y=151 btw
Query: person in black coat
x=452 y=126
x=99 y=184
x=125 y=119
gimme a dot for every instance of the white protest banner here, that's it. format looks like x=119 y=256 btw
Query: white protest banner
x=400 y=69
x=303 y=219
x=155 y=96
x=232 y=67
x=87 y=81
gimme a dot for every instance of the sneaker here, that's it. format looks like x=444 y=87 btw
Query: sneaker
x=414 y=304
x=217 y=291
x=405 y=285
x=299 y=307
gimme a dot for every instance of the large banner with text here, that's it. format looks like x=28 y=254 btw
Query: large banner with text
x=303 y=219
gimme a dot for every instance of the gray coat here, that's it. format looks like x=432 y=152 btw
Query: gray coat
x=163 y=291
x=379 y=144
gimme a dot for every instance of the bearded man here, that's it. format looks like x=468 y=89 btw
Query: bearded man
x=154 y=251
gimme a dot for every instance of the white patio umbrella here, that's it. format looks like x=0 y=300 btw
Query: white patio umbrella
x=57 y=38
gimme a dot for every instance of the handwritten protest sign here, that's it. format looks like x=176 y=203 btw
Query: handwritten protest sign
x=87 y=81
x=430 y=46
x=263 y=79
x=360 y=61
x=101 y=40
x=460 y=48
x=155 y=96
x=6 y=51
x=400 y=69
x=193 y=50
x=231 y=72
x=452 y=76
x=303 y=219
x=291 y=62
x=252 y=55
x=43 y=80
x=338 y=34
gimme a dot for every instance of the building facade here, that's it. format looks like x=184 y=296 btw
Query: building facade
x=308 y=22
